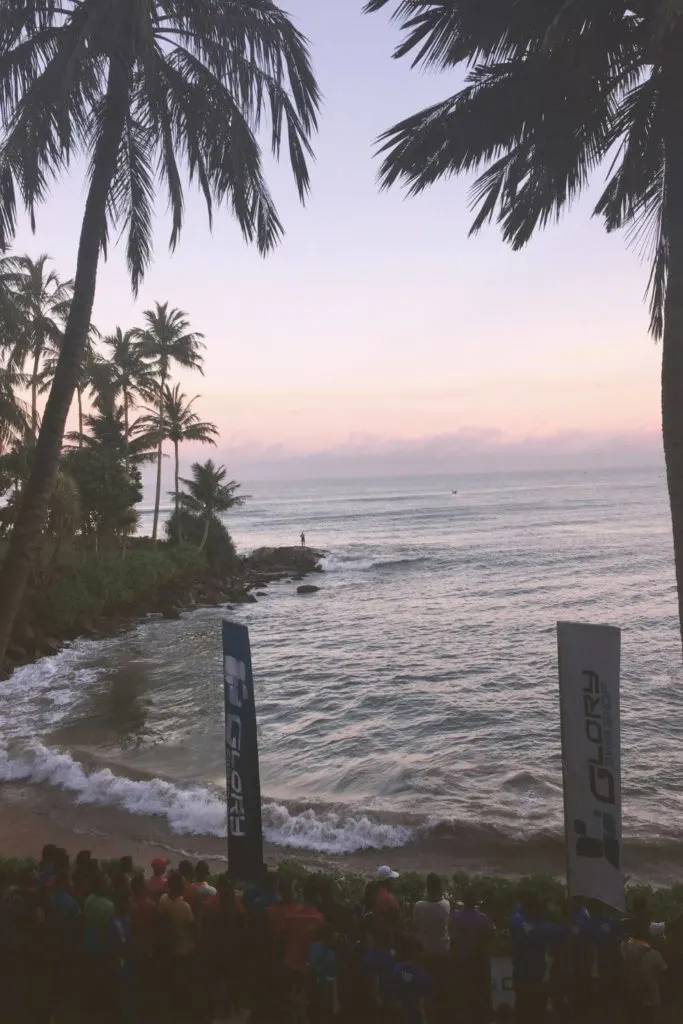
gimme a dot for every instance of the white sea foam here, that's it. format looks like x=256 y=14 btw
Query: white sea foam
x=43 y=693
x=359 y=563
x=329 y=832
x=196 y=810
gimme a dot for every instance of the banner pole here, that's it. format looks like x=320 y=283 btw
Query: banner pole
x=244 y=833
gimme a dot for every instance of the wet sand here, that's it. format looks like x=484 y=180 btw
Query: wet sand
x=33 y=815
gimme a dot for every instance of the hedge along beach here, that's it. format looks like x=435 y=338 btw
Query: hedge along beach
x=411 y=704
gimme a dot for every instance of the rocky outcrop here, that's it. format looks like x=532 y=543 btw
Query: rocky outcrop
x=250 y=575
x=283 y=562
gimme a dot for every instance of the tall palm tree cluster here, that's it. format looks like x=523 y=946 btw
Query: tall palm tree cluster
x=126 y=377
x=149 y=96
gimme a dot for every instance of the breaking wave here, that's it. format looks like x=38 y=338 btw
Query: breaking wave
x=196 y=810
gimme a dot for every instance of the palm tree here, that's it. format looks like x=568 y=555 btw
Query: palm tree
x=180 y=423
x=131 y=375
x=43 y=301
x=10 y=314
x=14 y=413
x=553 y=90
x=84 y=380
x=147 y=89
x=207 y=496
x=167 y=339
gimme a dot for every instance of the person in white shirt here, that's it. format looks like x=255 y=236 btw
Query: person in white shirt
x=643 y=967
x=430 y=922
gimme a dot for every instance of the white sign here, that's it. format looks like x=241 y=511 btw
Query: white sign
x=589 y=702
x=502 y=988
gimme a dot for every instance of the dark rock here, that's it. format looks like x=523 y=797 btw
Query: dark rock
x=280 y=560
x=261 y=593
x=17 y=654
x=307 y=588
x=170 y=612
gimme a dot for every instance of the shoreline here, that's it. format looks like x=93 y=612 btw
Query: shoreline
x=252 y=574
x=33 y=814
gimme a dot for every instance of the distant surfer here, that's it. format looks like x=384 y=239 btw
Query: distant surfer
x=303 y=539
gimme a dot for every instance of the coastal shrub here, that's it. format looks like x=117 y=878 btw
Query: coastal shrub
x=219 y=549
x=77 y=593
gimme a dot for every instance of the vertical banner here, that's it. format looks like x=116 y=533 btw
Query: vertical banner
x=589 y=701
x=245 y=835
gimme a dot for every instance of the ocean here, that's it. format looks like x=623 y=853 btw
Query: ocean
x=408 y=708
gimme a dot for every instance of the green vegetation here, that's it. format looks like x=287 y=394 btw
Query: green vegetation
x=207 y=497
x=89 y=566
x=75 y=594
x=91 y=570
x=182 y=98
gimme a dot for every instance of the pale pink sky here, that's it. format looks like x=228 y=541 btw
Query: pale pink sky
x=377 y=318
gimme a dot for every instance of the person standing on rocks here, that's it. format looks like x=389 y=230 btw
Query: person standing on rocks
x=303 y=539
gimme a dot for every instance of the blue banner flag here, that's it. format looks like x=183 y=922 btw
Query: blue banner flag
x=245 y=833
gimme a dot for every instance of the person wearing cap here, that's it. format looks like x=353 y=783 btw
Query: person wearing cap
x=386 y=907
x=158 y=883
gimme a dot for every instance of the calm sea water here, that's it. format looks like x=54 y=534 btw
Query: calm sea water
x=415 y=695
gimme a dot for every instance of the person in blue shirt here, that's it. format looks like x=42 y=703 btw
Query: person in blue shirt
x=411 y=984
x=377 y=966
x=322 y=962
x=471 y=932
x=533 y=939
x=268 y=894
x=595 y=941
x=120 y=941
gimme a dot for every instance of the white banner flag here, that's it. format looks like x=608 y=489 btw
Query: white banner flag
x=589 y=700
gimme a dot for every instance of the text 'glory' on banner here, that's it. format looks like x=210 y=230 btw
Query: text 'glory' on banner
x=589 y=665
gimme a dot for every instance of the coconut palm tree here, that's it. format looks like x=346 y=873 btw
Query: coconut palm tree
x=207 y=496
x=180 y=423
x=165 y=340
x=43 y=302
x=553 y=90
x=132 y=376
x=10 y=314
x=153 y=92
x=84 y=380
x=14 y=413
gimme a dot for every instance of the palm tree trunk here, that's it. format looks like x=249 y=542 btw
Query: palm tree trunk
x=206 y=533
x=179 y=528
x=672 y=356
x=79 y=396
x=34 y=395
x=125 y=427
x=28 y=530
x=160 y=454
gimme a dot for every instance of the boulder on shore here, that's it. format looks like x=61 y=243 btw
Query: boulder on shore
x=307 y=588
x=296 y=561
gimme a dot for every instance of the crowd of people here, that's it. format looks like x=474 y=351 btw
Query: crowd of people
x=84 y=945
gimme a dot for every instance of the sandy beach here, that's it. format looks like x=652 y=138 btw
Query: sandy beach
x=33 y=815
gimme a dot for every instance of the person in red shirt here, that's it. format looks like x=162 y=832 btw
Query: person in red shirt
x=386 y=907
x=277 y=912
x=158 y=883
x=144 y=917
x=297 y=928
